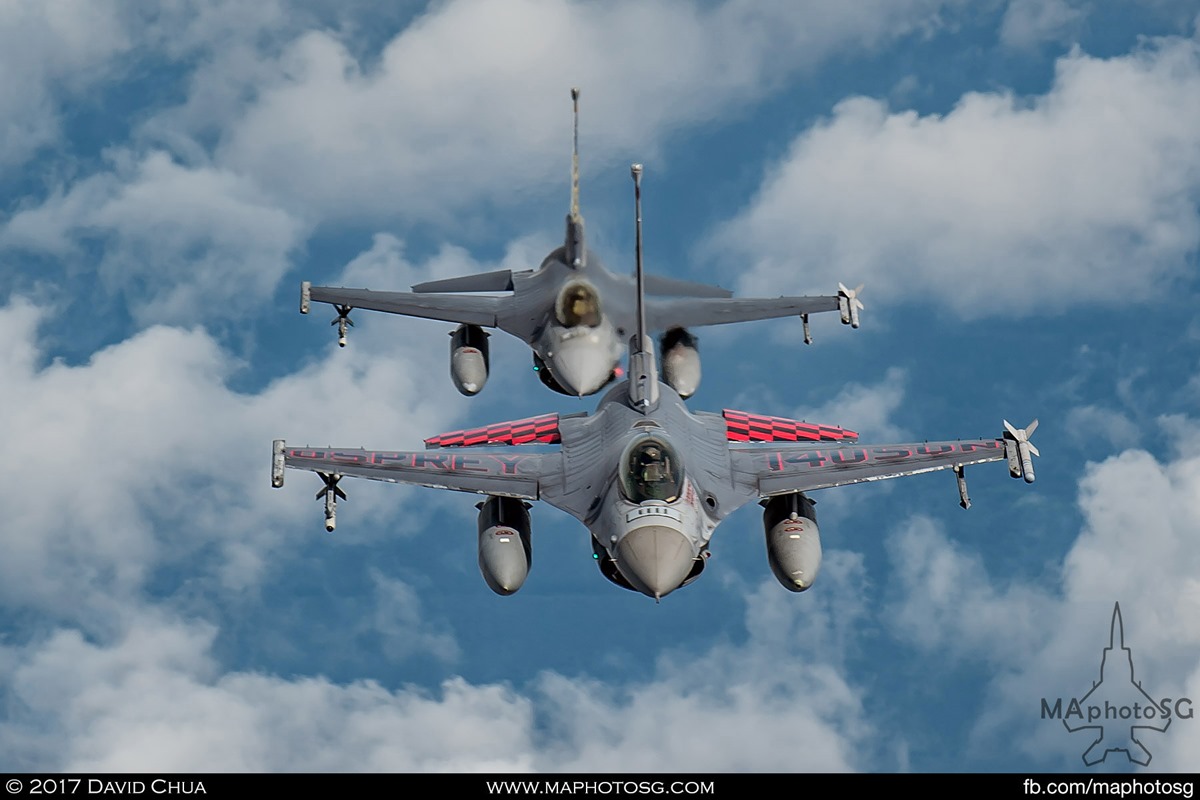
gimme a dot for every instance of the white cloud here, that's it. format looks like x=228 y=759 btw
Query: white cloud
x=399 y=622
x=1091 y=423
x=144 y=456
x=384 y=265
x=1003 y=205
x=865 y=409
x=470 y=100
x=950 y=604
x=58 y=48
x=155 y=700
x=1029 y=23
x=153 y=697
x=180 y=244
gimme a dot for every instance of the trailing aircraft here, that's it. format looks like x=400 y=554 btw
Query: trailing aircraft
x=573 y=313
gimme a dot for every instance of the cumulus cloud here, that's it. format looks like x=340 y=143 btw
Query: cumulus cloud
x=178 y=243
x=867 y=409
x=385 y=265
x=1091 y=423
x=153 y=697
x=145 y=456
x=1004 y=204
x=1029 y=23
x=469 y=101
x=59 y=48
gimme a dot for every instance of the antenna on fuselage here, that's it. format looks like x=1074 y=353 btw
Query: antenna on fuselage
x=643 y=371
x=574 y=246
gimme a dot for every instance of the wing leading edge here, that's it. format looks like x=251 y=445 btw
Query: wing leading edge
x=469 y=309
x=697 y=312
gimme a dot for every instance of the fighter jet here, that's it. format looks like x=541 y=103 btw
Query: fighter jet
x=573 y=312
x=648 y=478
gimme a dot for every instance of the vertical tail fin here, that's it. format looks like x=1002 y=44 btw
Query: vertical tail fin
x=643 y=368
x=574 y=246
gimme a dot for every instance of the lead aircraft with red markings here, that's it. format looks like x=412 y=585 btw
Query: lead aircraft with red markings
x=650 y=479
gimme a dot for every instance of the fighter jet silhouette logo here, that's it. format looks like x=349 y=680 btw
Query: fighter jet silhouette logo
x=1118 y=699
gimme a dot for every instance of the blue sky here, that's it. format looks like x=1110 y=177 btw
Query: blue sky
x=1016 y=183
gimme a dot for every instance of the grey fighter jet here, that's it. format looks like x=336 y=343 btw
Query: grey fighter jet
x=573 y=313
x=649 y=479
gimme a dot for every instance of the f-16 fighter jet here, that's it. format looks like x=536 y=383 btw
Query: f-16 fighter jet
x=649 y=479
x=573 y=313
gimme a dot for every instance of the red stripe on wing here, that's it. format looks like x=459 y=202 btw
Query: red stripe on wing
x=541 y=429
x=741 y=426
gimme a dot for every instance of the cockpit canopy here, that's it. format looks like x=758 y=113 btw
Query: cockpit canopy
x=578 y=304
x=651 y=470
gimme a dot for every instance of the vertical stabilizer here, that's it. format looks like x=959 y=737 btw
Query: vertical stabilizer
x=576 y=255
x=643 y=370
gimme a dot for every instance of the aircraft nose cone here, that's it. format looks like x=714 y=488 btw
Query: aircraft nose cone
x=581 y=365
x=655 y=559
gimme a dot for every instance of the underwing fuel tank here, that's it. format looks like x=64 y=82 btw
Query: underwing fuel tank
x=469 y=358
x=793 y=540
x=505 y=549
x=681 y=362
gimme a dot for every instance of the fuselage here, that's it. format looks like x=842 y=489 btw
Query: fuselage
x=651 y=487
x=568 y=316
x=657 y=544
x=581 y=358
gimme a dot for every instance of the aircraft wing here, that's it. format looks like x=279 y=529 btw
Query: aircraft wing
x=471 y=309
x=663 y=315
x=660 y=284
x=498 y=472
x=498 y=281
x=783 y=468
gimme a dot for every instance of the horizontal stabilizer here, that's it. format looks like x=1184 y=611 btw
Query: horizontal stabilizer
x=743 y=427
x=542 y=429
x=657 y=284
x=498 y=281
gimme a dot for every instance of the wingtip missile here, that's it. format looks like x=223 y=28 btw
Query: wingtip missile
x=1020 y=450
x=849 y=305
